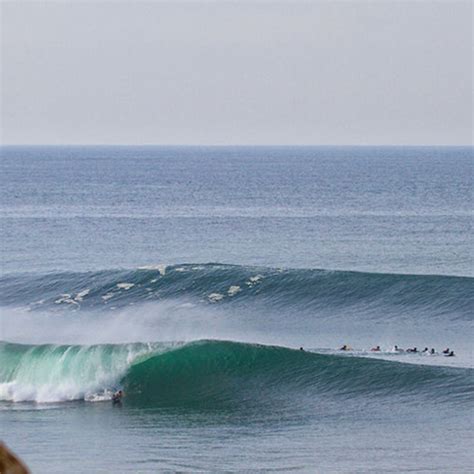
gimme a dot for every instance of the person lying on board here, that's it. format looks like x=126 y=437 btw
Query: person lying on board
x=117 y=397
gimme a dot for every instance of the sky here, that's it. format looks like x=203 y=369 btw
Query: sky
x=249 y=73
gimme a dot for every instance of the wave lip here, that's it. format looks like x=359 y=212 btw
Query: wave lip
x=210 y=373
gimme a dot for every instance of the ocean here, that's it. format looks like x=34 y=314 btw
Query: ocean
x=215 y=286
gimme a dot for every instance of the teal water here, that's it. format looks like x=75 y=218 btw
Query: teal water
x=190 y=278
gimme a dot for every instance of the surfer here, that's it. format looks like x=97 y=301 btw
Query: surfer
x=397 y=349
x=117 y=397
x=425 y=350
x=301 y=349
x=450 y=354
x=375 y=349
x=432 y=352
x=345 y=347
x=414 y=350
x=446 y=351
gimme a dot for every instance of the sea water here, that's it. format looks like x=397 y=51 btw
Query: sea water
x=190 y=277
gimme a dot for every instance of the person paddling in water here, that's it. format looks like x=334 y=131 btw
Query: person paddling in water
x=117 y=397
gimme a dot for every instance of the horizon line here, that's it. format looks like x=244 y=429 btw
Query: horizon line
x=235 y=145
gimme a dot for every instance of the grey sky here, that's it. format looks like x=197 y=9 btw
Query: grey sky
x=237 y=73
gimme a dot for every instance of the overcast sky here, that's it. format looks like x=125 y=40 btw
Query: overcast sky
x=237 y=73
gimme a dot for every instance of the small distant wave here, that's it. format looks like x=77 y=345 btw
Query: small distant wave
x=383 y=294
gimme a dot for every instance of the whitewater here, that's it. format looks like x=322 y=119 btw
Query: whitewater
x=215 y=287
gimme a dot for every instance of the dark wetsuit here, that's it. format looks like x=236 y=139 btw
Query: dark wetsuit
x=117 y=398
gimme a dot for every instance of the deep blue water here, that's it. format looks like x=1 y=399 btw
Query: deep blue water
x=123 y=267
x=371 y=209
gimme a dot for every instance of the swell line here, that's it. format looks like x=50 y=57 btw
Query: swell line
x=233 y=284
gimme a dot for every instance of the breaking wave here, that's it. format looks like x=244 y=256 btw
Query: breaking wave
x=210 y=373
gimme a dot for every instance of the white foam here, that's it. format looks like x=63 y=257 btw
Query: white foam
x=99 y=397
x=107 y=296
x=125 y=286
x=66 y=298
x=253 y=280
x=80 y=296
x=215 y=297
x=233 y=290
x=161 y=267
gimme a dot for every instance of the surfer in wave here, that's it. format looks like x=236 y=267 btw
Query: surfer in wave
x=117 y=397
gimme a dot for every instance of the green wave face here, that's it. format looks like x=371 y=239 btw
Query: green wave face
x=213 y=374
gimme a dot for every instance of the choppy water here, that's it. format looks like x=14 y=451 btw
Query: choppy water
x=190 y=277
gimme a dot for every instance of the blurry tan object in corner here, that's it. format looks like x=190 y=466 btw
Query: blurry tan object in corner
x=9 y=463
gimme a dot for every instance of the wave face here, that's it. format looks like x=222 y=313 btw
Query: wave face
x=213 y=373
x=390 y=294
